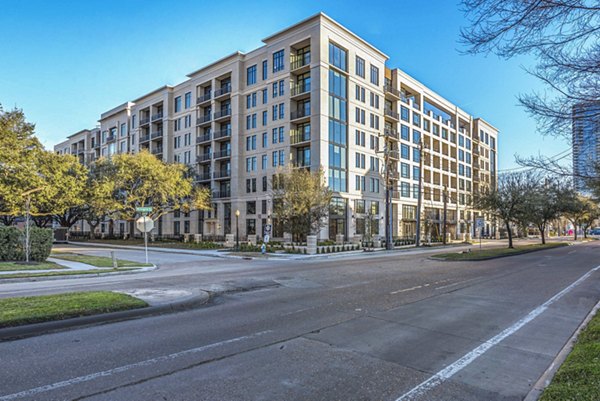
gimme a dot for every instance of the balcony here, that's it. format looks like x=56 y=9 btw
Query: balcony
x=222 y=91
x=157 y=150
x=392 y=133
x=111 y=138
x=205 y=119
x=219 y=175
x=300 y=90
x=203 y=98
x=223 y=134
x=300 y=63
x=96 y=145
x=204 y=176
x=301 y=163
x=144 y=138
x=157 y=116
x=394 y=175
x=203 y=158
x=302 y=113
x=144 y=121
x=156 y=134
x=299 y=137
x=222 y=154
x=80 y=151
x=392 y=114
x=394 y=154
x=221 y=194
x=203 y=138
x=389 y=89
x=222 y=114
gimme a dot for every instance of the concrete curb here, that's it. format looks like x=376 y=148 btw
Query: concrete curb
x=36 y=329
x=432 y=257
x=157 y=249
x=137 y=270
x=544 y=380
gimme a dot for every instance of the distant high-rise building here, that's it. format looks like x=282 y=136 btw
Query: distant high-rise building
x=586 y=142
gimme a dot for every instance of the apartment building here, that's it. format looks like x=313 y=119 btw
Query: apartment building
x=315 y=95
x=586 y=142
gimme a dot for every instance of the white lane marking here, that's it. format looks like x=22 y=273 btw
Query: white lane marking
x=406 y=289
x=463 y=362
x=457 y=283
x=120 y=369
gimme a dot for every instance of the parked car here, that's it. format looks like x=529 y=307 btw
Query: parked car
x=595 y=231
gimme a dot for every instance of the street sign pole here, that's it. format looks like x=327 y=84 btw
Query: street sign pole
x=146 y=241
x=145 y=224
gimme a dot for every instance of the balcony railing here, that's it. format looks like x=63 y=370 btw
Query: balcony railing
x=392 y=133
x=392 y=113
x=221 y=194
x=203 y=138
x=300 y=61
x=222 y=153
x=299 y=89
x=157 y=134
x=390 y=89
x=393 y=154
x=223 y=133
x=144 y=138
x=111 y=138
x=297 y=136
x=203 y=98
x=300 y=113
x=157 y=116
x=144 y=121
x=96 y=145
x=222 y=113
x=222 y=174
x=203 y=176
x=204 y=157
x=301 y=163
x=203 y=119
x=158 y=150
x=223 y=90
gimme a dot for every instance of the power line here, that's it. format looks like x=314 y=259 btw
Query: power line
x=559 y=156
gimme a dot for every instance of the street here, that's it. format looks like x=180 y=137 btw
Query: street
x=382 y=326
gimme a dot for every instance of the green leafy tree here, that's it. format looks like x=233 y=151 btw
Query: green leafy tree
x=580 y=210
x=506 y=202
x=303 y=201
x=141 y=180
x=544 y=203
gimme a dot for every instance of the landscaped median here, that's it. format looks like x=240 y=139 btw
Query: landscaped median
x=492 y=253
x=98 y=261
x=27 y=310
x=579 y=376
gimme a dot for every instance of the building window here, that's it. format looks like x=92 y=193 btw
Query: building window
x=123 y=129
x=374 y=75
x=337 y=57
x=177 y=104
x=251 y=207
x=188 y=100
x=278 y=61
x=251 y=75
x=360 y=67
x=264 y=70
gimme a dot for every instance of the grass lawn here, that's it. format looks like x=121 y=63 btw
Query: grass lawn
x=26 y=310
x=579 y=376
x=492 y=253
x=98 y=261
x=10 y=266
x=59 y=273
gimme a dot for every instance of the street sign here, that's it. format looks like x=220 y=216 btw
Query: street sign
x=479 y=223
x=268 y=228
x=144 y=224
x=266 y=239
x=143 y=209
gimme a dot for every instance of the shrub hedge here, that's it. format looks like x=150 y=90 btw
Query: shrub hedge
x=12 y=243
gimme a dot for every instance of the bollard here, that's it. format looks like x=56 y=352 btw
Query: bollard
x=114 y=259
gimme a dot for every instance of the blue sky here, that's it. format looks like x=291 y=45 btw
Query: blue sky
x=65 y=62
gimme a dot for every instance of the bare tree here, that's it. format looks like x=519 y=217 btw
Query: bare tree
x=563 y=35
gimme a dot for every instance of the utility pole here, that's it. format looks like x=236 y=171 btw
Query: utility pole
x=418 y=239
x=445 y=214
x=389 y=241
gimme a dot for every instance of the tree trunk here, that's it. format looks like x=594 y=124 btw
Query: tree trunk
x=111 y=228
x=542 y=229
x=509 y=232
x=93 y=228
x=575 y=231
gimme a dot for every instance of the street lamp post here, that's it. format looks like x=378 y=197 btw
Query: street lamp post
x=27 y=218
x=237 y=230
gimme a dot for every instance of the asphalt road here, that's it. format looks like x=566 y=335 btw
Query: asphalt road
x=374 y=327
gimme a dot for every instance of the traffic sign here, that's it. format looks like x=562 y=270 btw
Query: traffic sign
x=143 y=209
x=268 y=228
x=144 y=224
x=479 y=222
x=266 y=239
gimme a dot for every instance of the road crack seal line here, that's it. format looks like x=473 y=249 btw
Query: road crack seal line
x=471 y=356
